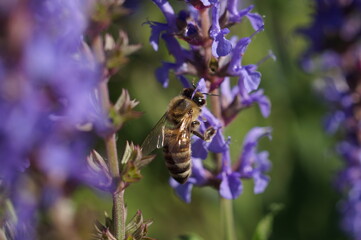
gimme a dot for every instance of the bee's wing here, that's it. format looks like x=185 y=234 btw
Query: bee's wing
x=155 y=138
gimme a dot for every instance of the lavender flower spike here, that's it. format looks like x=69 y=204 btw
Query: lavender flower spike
x=42 y=107
x=192 y=26
x=335 y=44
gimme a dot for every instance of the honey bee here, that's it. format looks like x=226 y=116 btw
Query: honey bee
x=174 y=130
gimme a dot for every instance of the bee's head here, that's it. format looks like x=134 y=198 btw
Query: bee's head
x=196 y=97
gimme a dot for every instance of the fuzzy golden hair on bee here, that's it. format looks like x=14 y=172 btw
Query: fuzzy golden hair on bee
x=174 y=130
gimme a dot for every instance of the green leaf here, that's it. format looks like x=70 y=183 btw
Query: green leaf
x=264 y=227
x=128 y=151
x=132 y=174
x=134 y=223
x=137 y=228
x=124 y=106
x=116 y=119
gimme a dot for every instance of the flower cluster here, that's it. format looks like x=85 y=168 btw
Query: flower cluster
x=216 y=60
x=46 y=84
x=47 y=80
x=335 y=51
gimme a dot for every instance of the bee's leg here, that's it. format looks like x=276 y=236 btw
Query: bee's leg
x=207 y=136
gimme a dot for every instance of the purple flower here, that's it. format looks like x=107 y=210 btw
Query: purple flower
x=215 y=72
x=334 y=44
x=186 y=26
x=157 y=29
x=251 y=165
x=167 y=11
x=259 y=98
x=236 y=15
x=46 y=94
x=237 y=98
x=254 y=164
x=198 y=178
x=248 y=76
x=231 y=186
x=220 y=46
x=218 y=144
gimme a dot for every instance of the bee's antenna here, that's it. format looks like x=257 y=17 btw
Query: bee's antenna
x=211 y=94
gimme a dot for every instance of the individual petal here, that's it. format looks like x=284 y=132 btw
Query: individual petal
x=198 y=177
x=157 y=29
x=255 y=134
x=256 y=20
x=258 y=97
x=162 y=73
x=210 y=119
x=221 y=46
x=236 y=15
x=181 y=55
x=260 y=182
x=237 y=54
x=183 y=191
x=199 y=149
x=250 y=77
x=215 y=27
x=218 y=143
x=226 y=162
x=263 y=164
x=231 y=185
x=173 y=47
x=201 y=87
x=167 y=11
x=198 y=172
x=249 y=155
x=226 y=91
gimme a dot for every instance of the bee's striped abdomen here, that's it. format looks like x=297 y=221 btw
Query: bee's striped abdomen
x=177 y=155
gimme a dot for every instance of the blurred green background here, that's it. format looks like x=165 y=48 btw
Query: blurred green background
x=304 y=163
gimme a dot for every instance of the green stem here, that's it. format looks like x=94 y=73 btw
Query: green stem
x=119 y=215
x=119 y=211
x=112 y=154
x=228 y=230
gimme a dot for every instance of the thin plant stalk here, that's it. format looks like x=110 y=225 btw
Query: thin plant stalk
x=119 y=210
x=119 y=214
x=228 y=230
x=226 y=205
x=227 y=225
